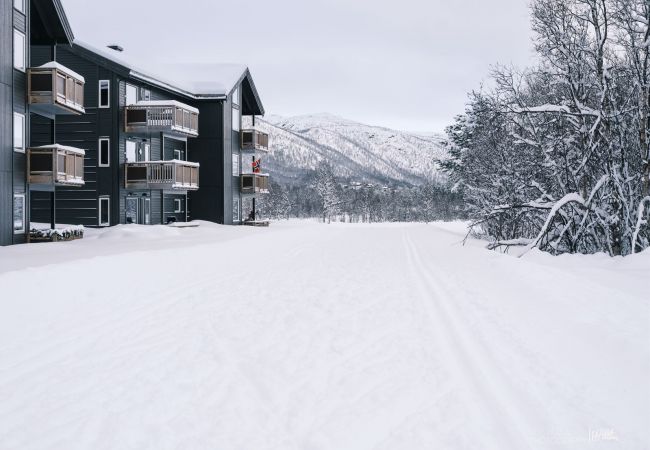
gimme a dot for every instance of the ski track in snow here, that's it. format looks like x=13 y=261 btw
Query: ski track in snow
x=314 y=337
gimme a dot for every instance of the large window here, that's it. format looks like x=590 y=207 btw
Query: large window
x=235 y=96
x=19 y=132
x=235 y=164
x=131 y=94
x=20 y=5
x=235 y=118
x=104 y=152
x=104 y=216
x=19 y=213
x=20 y=52
x=104 y=93
x=137 y=151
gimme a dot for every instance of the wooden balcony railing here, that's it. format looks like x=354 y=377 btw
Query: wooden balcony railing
x=54 y=89
x=169 y=175
x=55 y=165
x=253 y=139
x=162 y=115
x=254 y=183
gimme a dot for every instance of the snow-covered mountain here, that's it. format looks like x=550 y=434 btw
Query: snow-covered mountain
x=356 y=151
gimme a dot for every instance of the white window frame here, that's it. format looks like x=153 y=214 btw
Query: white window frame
x=23 y=63
x=236 y=166
x=19 y=5
x=100 y=210
x=108 y=151
x=134 y=89
x=178 y=154
x=178 y=205
x=107 y=85
x=235 y=96
x=22 y=229
x=236 y=125
x=134 y=157
x=21 y=117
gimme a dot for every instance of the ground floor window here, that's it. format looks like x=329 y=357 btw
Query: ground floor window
x=178 y=205
x=19 y=213
x=235 y=209
x=104 y=215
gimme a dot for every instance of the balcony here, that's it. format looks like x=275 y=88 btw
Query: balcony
x=254 y=183
x=55 y=165
x=174 y=175
x=254 y=140
x=54 y=89
x=162 y=115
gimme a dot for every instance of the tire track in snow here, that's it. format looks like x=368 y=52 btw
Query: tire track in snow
x=472 y=364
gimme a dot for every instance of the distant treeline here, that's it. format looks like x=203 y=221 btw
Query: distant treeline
x=324 y=196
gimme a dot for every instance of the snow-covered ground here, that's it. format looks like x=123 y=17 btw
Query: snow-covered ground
x=309 y=336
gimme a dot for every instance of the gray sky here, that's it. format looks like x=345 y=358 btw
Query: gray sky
x=405 y=64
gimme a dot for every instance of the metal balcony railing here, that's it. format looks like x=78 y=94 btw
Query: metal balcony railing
x=162 y=115
x=168 y=175
x=55 y=165
x=254 y=183
x=54 y=89
x=252 y=139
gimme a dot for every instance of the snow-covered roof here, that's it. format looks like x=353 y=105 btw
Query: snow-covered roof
x=165 y=103
x=61 y=68
x=60 y=147
x=209 y=80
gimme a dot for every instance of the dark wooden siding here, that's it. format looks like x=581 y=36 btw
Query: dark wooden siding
x=209 y=202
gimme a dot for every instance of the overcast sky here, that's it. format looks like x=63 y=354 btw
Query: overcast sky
x=405 y=64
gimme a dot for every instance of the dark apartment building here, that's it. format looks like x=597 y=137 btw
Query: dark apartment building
x=90 y=139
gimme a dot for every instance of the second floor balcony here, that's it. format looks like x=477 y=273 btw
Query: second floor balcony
x=54 y=89
x=254 y=140
x=55 y=165
x=254 y=183
x=173 y=175
x=161 y=115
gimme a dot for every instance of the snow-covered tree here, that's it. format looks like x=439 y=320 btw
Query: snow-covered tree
x=557 y=156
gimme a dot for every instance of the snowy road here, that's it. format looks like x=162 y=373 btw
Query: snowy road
x=308 y=336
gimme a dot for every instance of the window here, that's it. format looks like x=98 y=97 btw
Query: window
x=131 y=151
x=104 y=150
x=235 y=118
x=104 y=215
x=19 y=132
x=19 y=213
x=178 y=205
x=104 y=93
x=235 y=164
x=235 y=96
x=20 y=51
x=20 y=5
x=235 y=209
x=145 y=151
x=145 y=94
x=146 y=219
x=131 y=94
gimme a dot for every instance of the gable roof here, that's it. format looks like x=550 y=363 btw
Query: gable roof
x=53 y=20
x=197 y=81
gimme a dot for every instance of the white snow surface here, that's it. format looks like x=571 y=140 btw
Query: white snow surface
x=312 y=336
